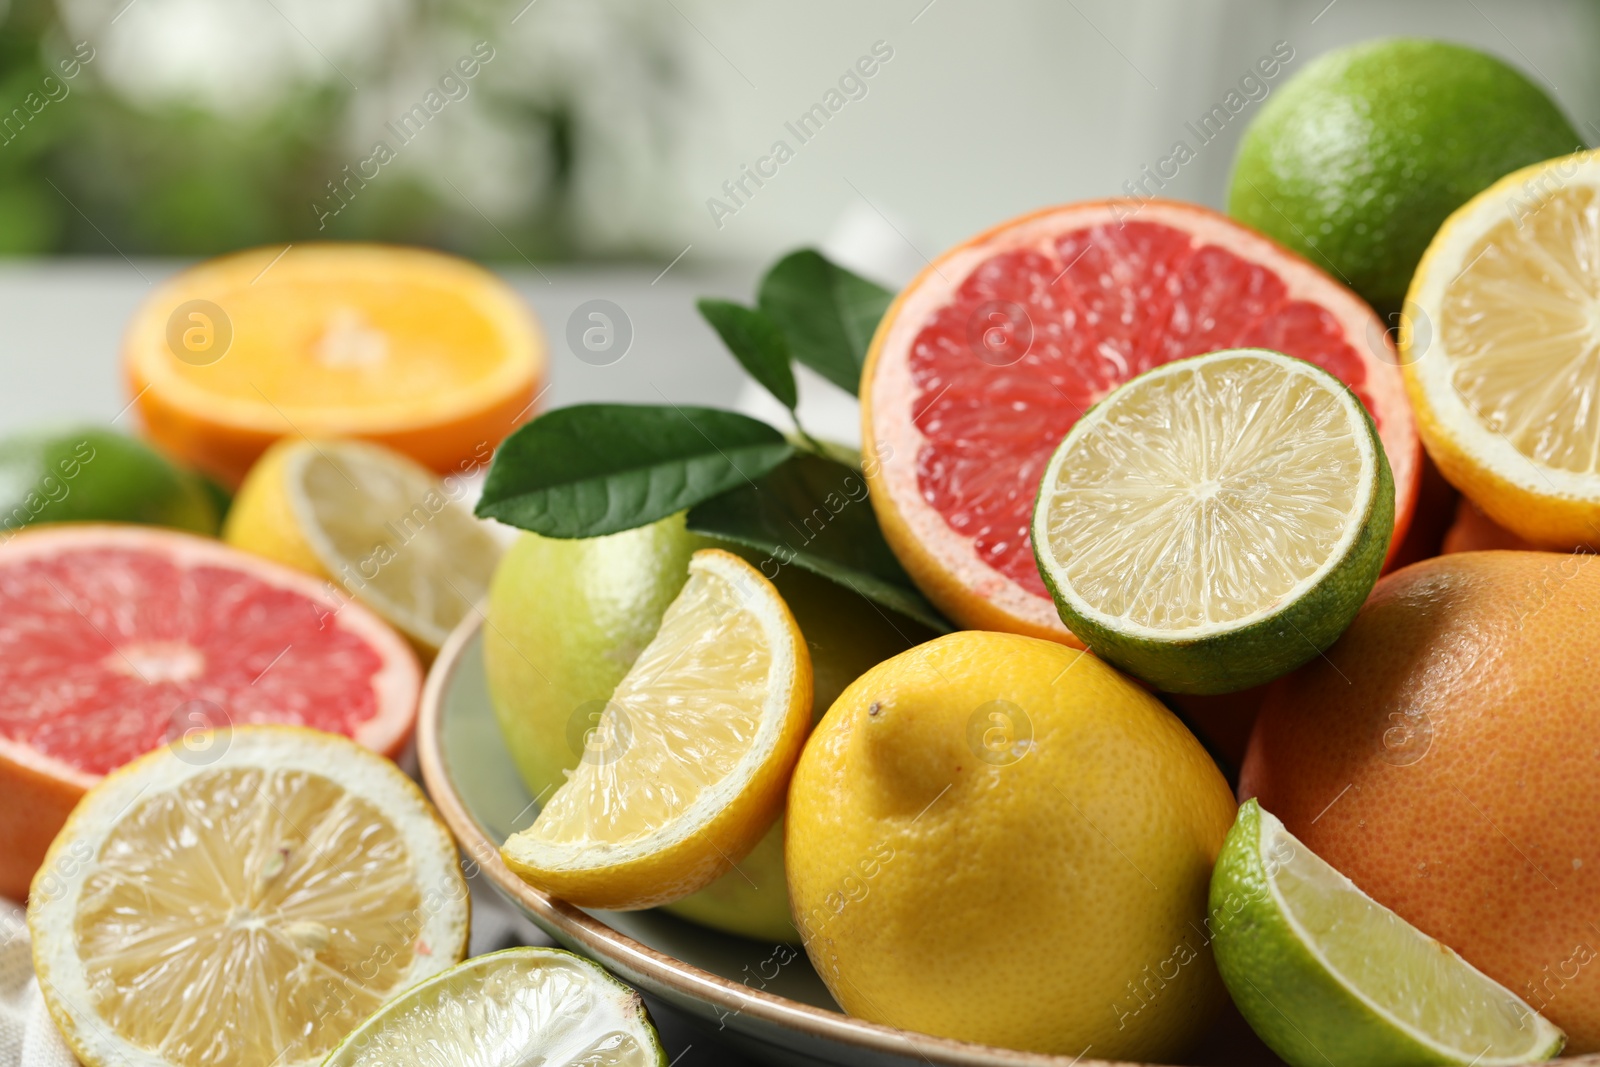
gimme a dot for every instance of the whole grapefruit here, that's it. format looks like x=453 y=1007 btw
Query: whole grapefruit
x=1443 y=755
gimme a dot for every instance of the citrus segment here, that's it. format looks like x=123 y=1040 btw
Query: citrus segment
x=1216 y=521
x=693 y=751
x=986 y=361
x=120 y=638
x=245 y=909
x=1325 y=974
x=1504 y=358
x=427 y=353
x=387 y=530
x=568 y=617
x=521 y=1005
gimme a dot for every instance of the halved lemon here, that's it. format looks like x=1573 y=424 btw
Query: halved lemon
x=1327 y=975
x=243 y=900
x=386 y=530
x=519 y=1006
x=1501 y=351
x=1217 y=521
x=689 y=763
x=425 y=352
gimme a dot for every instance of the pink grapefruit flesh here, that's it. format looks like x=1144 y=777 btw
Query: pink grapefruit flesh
x=117 y=639
x=985 y=362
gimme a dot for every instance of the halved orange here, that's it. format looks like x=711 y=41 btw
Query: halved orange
x=424 y=352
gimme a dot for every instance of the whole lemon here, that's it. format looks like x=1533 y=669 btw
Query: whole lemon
x=1000 y=839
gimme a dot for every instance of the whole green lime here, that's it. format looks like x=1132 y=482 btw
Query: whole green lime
x=91 y=474
x=566 y=620
x=1355 y=162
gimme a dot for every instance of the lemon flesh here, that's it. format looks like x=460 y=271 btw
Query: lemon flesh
x=1521 y=332
x=1503 y=352
x=688 y=763
x=1327 y=975
x=567 y=618
x=245 y=913
x=522 y=1006
x=382 y=527
x=1216 y=521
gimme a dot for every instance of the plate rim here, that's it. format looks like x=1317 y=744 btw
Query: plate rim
x=683 y=978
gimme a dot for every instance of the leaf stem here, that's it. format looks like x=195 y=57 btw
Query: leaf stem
x=811 y=444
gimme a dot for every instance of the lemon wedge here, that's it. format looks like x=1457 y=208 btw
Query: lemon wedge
x=690 y=760
x=388 y=531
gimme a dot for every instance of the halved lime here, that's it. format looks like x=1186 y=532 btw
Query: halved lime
x=521 y=1006
x=1217 y=521
x=1327 y=976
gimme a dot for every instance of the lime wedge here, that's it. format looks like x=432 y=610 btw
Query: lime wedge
x=1217 y=521
x=1327 y=976
x=519 y=1006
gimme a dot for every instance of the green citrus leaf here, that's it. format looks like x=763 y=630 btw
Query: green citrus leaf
x=814 y=513
x=757 y=343
x=827 y=314
x=595 y=469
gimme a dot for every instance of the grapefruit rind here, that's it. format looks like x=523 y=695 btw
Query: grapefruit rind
x=943 y=563
x=1278 y=636
x=1296 y=998
x=53 y=903
x=1544 y=504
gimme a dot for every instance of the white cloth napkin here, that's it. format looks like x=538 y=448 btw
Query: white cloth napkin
x=28 y=1036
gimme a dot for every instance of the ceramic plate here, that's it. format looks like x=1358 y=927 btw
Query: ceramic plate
x=763 y=998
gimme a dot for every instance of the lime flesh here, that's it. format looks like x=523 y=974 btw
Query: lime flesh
x=1216 y=521
x=1328 y=976
x=519 y=1006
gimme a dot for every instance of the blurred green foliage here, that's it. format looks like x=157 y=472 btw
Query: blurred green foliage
x=97 y=173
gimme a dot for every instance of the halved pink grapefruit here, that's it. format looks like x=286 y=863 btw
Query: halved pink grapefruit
x=117 y=639
x=988 y=358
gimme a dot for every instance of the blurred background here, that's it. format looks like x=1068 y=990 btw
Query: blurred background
x=533 y=131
